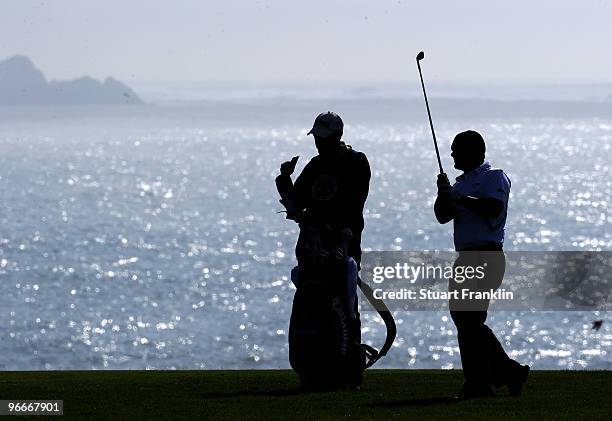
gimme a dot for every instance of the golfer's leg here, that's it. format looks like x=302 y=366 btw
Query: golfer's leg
x=473 y=349
x=501 y=365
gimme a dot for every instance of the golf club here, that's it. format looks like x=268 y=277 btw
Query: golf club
x=420 y=57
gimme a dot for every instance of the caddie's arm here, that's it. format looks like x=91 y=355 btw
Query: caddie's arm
x=293 y=196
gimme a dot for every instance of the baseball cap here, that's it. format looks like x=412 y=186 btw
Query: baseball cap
x=327 y=123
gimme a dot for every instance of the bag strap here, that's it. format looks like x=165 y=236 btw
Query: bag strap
x=372 y=354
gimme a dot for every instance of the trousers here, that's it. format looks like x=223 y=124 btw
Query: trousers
x=483 y=358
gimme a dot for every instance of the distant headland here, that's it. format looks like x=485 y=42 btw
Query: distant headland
x=21 y=83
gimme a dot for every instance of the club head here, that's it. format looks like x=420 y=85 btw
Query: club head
x=420 y=56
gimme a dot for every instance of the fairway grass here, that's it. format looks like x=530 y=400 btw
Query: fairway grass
x=273 y=394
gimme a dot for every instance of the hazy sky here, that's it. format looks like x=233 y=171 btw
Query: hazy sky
x=283 y=40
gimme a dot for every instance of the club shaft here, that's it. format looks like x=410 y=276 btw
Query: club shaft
x=433 y=133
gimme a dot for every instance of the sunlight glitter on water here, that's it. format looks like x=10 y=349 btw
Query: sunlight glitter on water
x=134 y=245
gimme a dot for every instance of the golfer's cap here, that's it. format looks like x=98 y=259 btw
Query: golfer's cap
x=327 y=123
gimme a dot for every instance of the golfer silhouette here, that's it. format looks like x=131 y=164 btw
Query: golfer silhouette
x=477 y=203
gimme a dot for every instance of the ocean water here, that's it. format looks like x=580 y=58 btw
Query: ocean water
x=148 y=237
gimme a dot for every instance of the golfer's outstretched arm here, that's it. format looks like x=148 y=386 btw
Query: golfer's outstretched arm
x=484 y=206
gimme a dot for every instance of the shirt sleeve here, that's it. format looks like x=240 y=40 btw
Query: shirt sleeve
x=300 y=192
x=497 y=186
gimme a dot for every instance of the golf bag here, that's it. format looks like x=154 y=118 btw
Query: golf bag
x=325 y=346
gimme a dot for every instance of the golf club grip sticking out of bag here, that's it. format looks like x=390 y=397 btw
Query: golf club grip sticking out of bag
x=372 y=354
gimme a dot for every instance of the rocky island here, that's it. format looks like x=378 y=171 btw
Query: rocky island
x=21 y=83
